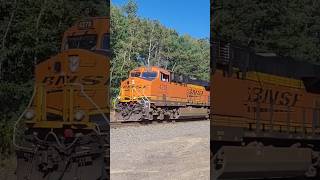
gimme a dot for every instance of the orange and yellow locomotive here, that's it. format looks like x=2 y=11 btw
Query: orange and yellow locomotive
x=67 y=120
x=153 y=93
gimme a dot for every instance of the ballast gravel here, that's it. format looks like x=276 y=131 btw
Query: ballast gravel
x=170 y=151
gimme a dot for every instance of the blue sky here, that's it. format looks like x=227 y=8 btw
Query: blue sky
x=185 y=16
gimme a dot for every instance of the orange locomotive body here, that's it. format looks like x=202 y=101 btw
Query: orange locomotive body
x=265 y=115
x=72 y=87
x=67 y=84
x=155 y=93
x=263 y=104
x=67 y=121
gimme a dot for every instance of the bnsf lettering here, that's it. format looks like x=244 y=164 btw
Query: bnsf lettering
x=88 y=80
x=48 y=80
x=271 y=96
x=85 y=80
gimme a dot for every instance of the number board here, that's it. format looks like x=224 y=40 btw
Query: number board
x=85 y=24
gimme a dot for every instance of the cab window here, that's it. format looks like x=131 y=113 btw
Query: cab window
x=149 y=75
x=164 y=77
x=82 y=42
x=106 y=41
x=135 y=74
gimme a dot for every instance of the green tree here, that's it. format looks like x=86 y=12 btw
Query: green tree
x=138 y=41
x=288 y=28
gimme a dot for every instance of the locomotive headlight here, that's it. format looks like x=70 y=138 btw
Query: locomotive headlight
x=79 y=115
x=29 y=114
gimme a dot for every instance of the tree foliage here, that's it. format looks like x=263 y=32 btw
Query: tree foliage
x=137 y=41
x=288 y=28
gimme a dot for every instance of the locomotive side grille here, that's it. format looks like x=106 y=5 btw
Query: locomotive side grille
x=221 y=52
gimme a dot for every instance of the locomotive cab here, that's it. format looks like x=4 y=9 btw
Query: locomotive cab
x=90 y=34
x=140 y=82
x=151 y=74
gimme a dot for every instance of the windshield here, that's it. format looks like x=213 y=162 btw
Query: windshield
x=149 y=75
x=135 y=74
x=81 y=42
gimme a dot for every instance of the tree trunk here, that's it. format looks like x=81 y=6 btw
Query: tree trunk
x=9 y=24
x=5 y=36
x=149 y=52
x=43 y=6
x=150 y=49
x=174 y=65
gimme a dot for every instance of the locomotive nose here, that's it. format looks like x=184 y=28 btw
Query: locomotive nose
x=133 y=88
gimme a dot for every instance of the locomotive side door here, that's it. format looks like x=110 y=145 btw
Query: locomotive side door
x=164 y=78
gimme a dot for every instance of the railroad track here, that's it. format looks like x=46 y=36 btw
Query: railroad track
x=118 y=124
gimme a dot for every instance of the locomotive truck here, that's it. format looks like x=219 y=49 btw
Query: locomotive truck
x=265 y=115
x=66 y=123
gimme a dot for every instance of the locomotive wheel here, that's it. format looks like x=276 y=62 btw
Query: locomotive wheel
x=135 y=116
x=313 y=171
x=218 y=164
x=129 y=112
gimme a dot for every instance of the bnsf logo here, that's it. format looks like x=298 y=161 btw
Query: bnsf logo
x=85 y=80
x=271 y=96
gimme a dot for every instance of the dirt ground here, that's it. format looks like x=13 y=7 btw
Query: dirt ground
x=7 y=168
x=178 y=151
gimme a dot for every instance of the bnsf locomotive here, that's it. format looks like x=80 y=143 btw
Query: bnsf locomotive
x=265 y=115
x=67 y=129
x=153 y=93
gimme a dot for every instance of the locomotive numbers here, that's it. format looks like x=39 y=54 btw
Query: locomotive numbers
x=85 y=24
x=163 y=87
x=195 y=92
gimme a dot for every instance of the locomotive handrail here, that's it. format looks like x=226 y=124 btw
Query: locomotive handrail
x=144 y=97
x=91 y=101
x=285 y=125
x=264 y=124
x=30 y=103
x=19 y=119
